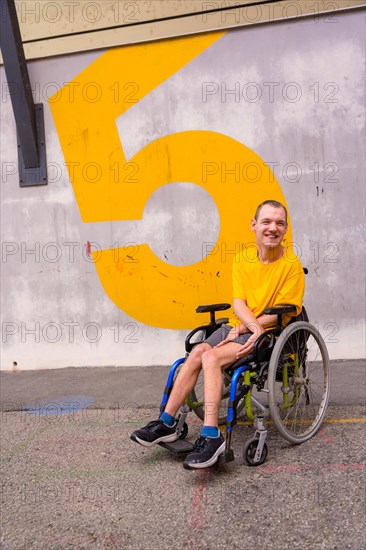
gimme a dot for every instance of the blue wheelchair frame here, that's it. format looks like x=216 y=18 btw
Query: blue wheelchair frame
x=243 y=372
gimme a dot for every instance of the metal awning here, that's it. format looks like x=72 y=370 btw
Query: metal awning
x=29 y=119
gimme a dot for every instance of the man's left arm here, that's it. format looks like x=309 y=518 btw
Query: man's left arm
x=250 y=324
x=291 y=292
x=292 y=289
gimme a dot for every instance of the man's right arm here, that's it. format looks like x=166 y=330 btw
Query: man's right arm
x=250 y=322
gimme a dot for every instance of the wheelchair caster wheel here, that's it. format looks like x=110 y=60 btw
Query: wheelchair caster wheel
x=184 y=431
x=249 y=452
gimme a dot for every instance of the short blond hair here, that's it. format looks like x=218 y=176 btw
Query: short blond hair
x=273 y=203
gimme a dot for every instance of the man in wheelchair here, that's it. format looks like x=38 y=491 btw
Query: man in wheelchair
x=266 y=278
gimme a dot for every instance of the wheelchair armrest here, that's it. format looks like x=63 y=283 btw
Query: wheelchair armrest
x=279 y=310
x=261 y=353
x=212 y=307
x=188 y=344
x=207 y=329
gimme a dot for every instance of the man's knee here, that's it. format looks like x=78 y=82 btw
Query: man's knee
x=199 y=350
x=195 y=357
x=209 y=359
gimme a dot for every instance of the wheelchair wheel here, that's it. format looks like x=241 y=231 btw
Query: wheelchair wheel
x=250 y=449
x=298 y=382
x=196 y=398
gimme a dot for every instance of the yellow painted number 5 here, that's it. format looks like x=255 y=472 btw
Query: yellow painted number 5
x=147 y=288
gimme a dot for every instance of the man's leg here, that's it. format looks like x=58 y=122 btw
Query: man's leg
x=164 y=429
x=186 y=379
x=213 y=362
x=211 y=443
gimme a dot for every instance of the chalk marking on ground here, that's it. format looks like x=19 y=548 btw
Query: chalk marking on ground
x=196 y=514
x=293 y=468
x=327 y=421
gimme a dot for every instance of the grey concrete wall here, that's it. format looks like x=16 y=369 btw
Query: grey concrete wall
x=294 y=93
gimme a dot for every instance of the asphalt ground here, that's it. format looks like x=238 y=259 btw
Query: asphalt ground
x=72 y=478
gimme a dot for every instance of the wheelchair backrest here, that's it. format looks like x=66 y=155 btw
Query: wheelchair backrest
x=293 y=343
x=303 y=316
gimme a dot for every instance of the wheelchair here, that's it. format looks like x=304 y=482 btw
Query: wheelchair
x=285 y=380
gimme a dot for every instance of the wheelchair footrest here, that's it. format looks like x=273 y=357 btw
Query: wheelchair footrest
x=178 y=447
x=227 y=456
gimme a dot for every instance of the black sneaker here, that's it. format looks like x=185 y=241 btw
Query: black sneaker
x=155 y=432
x=206 y=452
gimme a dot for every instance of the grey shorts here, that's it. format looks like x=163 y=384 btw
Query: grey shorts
x=221 y=333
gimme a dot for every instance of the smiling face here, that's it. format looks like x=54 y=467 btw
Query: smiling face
x=270 y=227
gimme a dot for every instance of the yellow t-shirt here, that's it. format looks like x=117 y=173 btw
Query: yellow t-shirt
x=267 y=285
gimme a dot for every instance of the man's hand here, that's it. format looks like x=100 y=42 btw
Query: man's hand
x=248 y=346
x=234 y=333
